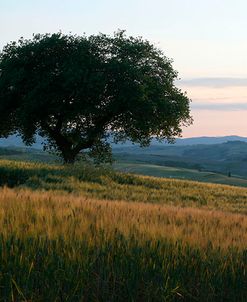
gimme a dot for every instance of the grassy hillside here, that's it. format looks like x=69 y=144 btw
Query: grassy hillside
x=91 y=234
x=27 y=154
x=220 y=158
x=158 y=165
x=104 y=183
x=179 y=173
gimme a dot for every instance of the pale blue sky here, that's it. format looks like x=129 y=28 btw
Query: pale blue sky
x=205 y=38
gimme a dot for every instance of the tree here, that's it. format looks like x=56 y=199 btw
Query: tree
x=75 y=90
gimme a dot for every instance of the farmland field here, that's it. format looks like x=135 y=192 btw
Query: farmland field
x=91 y=234
x=179 y=173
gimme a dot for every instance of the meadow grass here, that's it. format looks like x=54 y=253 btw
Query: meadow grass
x=104 y=183
x=90 y=234
x=66 y=248
x=179 y=173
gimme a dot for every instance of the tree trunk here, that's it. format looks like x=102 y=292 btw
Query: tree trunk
x=69 y=156
x=64 y=145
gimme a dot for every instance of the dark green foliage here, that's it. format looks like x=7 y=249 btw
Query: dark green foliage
x=120 y=269
x=13 y=177
x=74 y=90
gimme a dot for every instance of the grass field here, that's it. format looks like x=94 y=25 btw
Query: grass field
x=143 y=164
x=91 y=234
x=179 y=173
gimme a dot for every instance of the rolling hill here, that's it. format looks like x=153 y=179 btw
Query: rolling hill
x=83 y=233
x=225 y=158
x=209 y=161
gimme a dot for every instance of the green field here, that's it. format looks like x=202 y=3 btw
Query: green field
x=225 y=158
x=92 y=234
x=180 y=173
x=134 y=164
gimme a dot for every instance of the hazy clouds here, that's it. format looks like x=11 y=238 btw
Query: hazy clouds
x=220 y=94
x=218 y=106
x=214 y=82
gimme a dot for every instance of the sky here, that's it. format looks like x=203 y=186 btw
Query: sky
x=206 y=40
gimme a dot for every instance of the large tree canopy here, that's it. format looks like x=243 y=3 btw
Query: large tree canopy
x=74 y=90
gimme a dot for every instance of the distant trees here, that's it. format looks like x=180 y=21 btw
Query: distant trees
x=74 y=91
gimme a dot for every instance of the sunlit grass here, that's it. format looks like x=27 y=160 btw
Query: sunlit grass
x=53 y=215
x=90 y=234
x=103 y=183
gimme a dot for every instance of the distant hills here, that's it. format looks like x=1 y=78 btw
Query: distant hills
x=226 y=155
x=202 y=140
x=15 y=141
x=207 y=140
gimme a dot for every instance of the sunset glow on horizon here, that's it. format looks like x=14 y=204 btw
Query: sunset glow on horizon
x=216 y=110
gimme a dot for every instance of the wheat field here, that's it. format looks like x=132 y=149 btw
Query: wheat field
x=63 y=239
